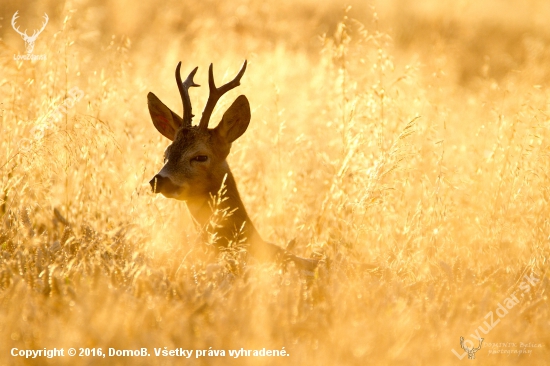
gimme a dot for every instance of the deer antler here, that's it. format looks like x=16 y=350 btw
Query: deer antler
x=184 y=92
x=24 y=34
x=478 y=348
x=13 y=19
x=36 y=33
x=216 y=94
x=462 y=344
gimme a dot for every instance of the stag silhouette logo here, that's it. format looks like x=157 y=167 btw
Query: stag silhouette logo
x=470 y=351
x=29 y=40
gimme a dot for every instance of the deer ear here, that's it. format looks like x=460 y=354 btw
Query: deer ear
x=235 y=120
x=166 y=121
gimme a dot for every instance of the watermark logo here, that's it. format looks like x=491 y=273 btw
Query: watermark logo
x=501 y=311
x=29 y=40
x=512 y=348
x=470 y=351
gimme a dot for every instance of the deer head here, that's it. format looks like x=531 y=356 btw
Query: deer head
x=195 y=166
x=29 y=40
x=195 y=162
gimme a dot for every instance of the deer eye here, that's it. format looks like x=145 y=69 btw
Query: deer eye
x=200 y=158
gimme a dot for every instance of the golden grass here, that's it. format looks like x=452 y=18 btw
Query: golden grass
x=415 y=138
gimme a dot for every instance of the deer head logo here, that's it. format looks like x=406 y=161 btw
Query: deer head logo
x=29 y=40
x=470 y=351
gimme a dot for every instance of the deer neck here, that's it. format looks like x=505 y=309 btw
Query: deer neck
x=227 y=229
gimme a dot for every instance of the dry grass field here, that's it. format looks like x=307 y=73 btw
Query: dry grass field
x=406 y=143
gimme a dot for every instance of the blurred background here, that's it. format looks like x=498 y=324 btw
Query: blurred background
x=490 y=38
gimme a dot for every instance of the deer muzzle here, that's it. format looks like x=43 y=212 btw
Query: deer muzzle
x=163 y=185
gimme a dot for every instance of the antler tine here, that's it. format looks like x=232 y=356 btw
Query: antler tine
x=44 y=23
x=16 y=28
x=216 y=94
x=184 y=92
x=36 y=32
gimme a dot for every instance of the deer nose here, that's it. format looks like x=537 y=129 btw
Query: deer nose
x=161 y=184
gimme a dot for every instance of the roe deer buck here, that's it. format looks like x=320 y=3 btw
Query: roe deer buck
x=195 y=165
